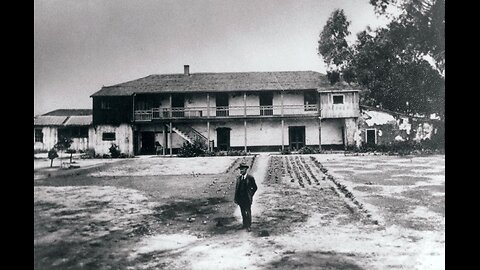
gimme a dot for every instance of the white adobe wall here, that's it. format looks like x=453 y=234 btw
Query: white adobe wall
x=123 y=138
x=332 y=131
x=80 y=143
x=50 y=135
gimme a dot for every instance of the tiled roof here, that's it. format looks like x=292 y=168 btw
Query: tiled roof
x=43 y=120
x=79 y=120
x=48 y=120
x=69 y=112
x=219 y=82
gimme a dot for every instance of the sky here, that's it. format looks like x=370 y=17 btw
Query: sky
x=80 y=46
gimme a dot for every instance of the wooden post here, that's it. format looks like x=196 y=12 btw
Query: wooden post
x=208 y=106
x=245 y=106
x=133 y=108
x=281 y=102
x=245 y=128
x=170 y=101
x=164 y=140
x=283 y=141
x=170 y=135
x=208 y=135
x=320 y=133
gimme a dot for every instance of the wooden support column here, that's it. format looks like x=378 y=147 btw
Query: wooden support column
x=245 y=105
x=283 y=121
x=208 y=136
x=164 y=148
x=283 y=136
x=208 y=122
x=320 y=133
x=170 y=139
x=133 y=108
x=170 y=113
x=245 y=128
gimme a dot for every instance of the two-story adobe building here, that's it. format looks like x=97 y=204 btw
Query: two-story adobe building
x=251 y=111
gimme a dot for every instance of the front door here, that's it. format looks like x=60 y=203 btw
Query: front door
x=371 y=137
x=223 y=139
x=296 y=137
x=148 y=143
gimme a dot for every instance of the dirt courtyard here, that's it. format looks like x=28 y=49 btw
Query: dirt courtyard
x=324 y=211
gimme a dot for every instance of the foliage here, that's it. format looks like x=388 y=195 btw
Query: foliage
x=401 y=65
x=90 y=153
x=192 y=150
x=307 y=150
x=63 y=143
x=52 y=154
x=333 y=45
x=114 y=151
x=286 y=151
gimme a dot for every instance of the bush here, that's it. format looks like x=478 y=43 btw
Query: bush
x=307 y=150
x=52 y=154
x=192 y=150
x=236 y=153
x=90 y=153
x=286 y=151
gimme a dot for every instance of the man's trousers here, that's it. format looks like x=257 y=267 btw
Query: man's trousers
x=246 y=211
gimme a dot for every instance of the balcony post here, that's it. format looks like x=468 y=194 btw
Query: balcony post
x=170 y=101
x=320 y=133
x=133 y=107
x=283 y=124
x=208 y=107
x=208 y=135
x=164 y=140
x=281 y=102
x=170 y=135
x=245 y=111
x=245 y=129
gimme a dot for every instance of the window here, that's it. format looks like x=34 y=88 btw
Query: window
x=108 y=136
x=38 y=135
x=337 y=99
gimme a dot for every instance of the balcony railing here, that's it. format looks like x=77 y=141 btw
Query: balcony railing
x=225 y=112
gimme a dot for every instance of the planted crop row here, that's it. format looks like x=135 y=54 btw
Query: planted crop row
x=307 y=167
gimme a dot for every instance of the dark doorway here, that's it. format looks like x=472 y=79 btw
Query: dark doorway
x=178 y=103
x=266 y=103
x=296 y=137
x=371 y=137
x=221 y=102
x=223 y=139
x=148 y=143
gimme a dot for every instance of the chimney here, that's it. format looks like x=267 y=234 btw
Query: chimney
x=186 y=70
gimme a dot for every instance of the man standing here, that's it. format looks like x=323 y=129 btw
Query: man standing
x=245 y=188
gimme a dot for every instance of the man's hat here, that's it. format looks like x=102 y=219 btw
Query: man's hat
x=242 y=165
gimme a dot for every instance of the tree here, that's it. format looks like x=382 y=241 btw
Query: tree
x=333 y=46
x=400 y=66
x=64 y=144
x=52 y=154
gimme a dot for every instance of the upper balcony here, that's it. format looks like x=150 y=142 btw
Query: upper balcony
x=226 y=112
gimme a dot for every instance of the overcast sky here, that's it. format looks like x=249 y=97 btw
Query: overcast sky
x=79 y=46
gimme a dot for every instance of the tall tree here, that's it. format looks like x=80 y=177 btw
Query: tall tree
x=400 y=66
x=333 y=46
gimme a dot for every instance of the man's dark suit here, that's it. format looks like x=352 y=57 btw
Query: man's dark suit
x=245 y=188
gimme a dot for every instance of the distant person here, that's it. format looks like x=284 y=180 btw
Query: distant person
x=158 y=148
x=245 y=188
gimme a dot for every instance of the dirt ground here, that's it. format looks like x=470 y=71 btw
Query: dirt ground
x=310 y=212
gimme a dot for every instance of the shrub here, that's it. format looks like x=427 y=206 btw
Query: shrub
x=192 y=150
x=286 y=151
x=52 y=154
x=90 y=153
x=307 y=150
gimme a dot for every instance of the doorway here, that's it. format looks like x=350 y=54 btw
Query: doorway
x=148 y=143
x=266 y=103
x=296 y=137
x=371 y=137
x=223 y=139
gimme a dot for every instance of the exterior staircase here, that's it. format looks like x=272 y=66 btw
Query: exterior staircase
x=189 y=134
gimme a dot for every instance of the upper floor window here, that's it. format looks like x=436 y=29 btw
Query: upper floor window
x=38 y=135
x=337 y=99
x=108 y=136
